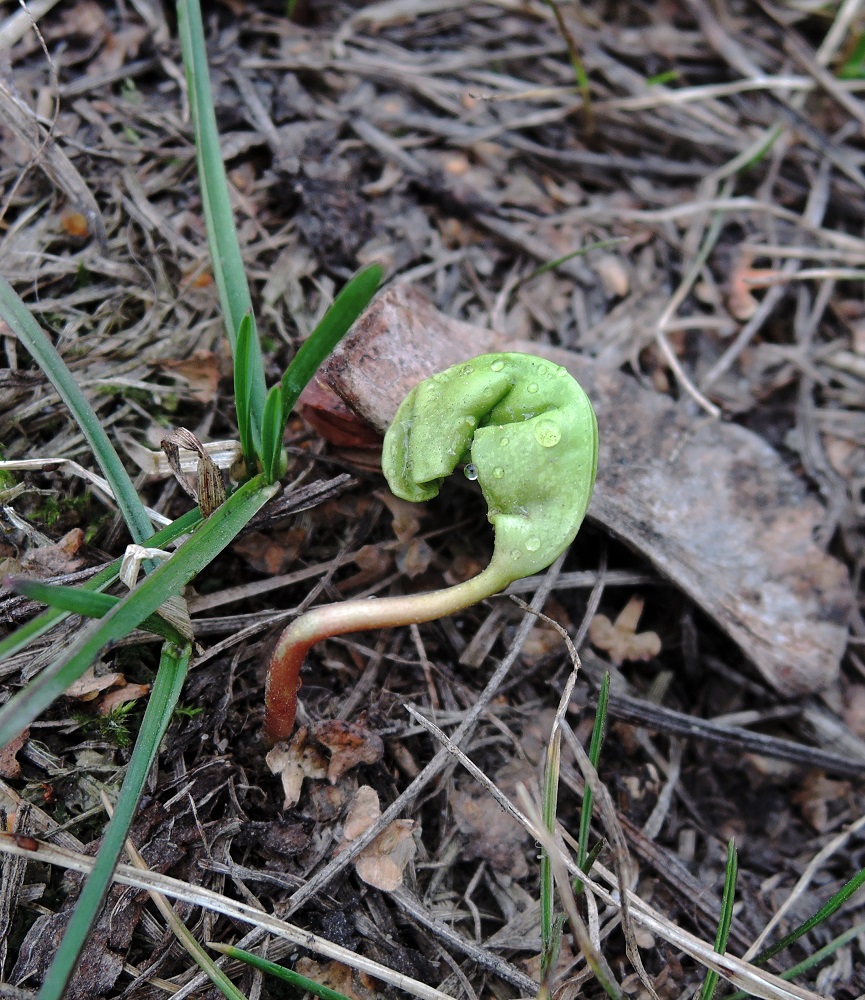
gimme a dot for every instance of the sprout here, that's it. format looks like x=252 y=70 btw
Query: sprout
x=528 y=434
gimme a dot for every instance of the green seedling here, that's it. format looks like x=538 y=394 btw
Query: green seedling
x=529 y=435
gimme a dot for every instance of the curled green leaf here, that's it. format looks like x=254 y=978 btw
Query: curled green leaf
x=529 y=434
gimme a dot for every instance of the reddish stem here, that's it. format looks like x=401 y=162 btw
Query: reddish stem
x=283 y=672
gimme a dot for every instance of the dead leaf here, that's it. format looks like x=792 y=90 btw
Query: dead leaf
x=349 y=744
x=120 y=47
x=271 y=553
x=340 y=978
x=61 y=557
x=544 y=640
x=490 y=833
x=365 y=810
x=853 y=711
x=209 y=491
x=463 y=567
x=87 y=19
x=620 y=638
x=374 y=562
x=200 y=372
x=202 y=279
x=380 y=864
x=294 y=761
x=327 y=413
x=414 y=558
x=120 y=696
x=9 y=766
x=89 y=686
x=383 y=862
x=613 y=275
x=817 y=797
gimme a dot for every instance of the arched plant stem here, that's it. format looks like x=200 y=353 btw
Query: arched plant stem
x=283 y=678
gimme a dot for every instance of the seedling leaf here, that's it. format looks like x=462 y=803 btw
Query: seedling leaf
x=271 y=435
x=335 y=324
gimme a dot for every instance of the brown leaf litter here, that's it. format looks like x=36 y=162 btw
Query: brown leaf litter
x=326 y=749
x=382 y=862
x=620 y=638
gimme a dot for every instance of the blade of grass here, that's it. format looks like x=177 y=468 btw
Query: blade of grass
x=595 y=745
x=106 y=576
x=272 y=428
x=580 y=76
x=812 y=960
x=825 y=911
x=86 y=603
x=219 y=979
x=549 y=941
x=244 y=366
x=160 y=706
x=347 y=306
x=34 y=339
x=553 y=264
x=729 y=897
x=295 y=979
x=200 y=549
x=228 y=269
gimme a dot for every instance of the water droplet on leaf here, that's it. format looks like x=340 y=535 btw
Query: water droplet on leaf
x=547 y=434
x=498 y=472
x=533 y=544
x=471 y=472
x=497 y=366
x=532 y=386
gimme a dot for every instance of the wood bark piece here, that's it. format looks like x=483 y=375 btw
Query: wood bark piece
x=710 y=504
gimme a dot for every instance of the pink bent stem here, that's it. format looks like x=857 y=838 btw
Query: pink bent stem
x=283 y=672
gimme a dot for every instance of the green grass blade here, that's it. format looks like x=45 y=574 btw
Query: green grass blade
x=812 y=960
x=551 y=265
x=228 y=269
x=825 y=911
x=301 y=983
x=346 y=308
x=33 y=338
x=78 y=601
x=729 y=897
x=595 y=745
x=549 y=942
x=272 y=428
x=196 y=951
x=580 y=76
x=244 y=368
x=169 y=578
x=160 y=706
x=106 y=576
